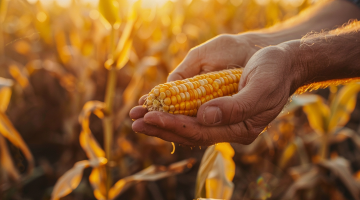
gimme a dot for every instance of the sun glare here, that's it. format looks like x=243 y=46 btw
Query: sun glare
x=67 y=3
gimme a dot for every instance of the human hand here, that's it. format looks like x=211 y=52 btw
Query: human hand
x=265 y=86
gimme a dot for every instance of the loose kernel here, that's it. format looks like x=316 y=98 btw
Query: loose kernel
x=182 y=106
x=167 y=101
x=162 y=95
x=173 y=100
x=172 y=108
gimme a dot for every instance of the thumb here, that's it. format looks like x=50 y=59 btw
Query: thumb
x=231 y=109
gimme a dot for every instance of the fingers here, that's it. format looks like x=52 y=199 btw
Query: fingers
x=142 y=99
x=196 y=134
x=232 y=109
x=189 y=67
x=141 y=127
x=137 y=112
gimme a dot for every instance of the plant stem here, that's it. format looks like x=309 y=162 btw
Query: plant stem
x=108 y=119
x=324 y=147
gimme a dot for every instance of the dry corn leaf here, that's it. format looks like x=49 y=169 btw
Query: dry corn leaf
x=219 y=180
x=5 y=160
x=151 y=173
x=97 y=181
x=340 y=167
x=308 y=179
x=19 y=76
x=318 y=114
x=124 y=55
x=71 y=179
x=87 y=140
x=206 y=165
x=110 y=11
x=5 y=93
x=297 y=102
x=9 y=132
x=343 y=105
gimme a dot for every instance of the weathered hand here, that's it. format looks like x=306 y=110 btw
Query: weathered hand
x=265 y=86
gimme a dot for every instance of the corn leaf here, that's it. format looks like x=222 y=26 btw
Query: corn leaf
x=219 y=181
x=9 y=132
x=151 y=173
x=318 y=114
x=87 y=140
x=340 y=168
x=5 y=93
x=97 y=181
x=343 y=105
x=19 y=76
x=297 y=102
x=6 y=162
x=71 y=179
x=206 y=166
x=109 y=10
x=124 y=55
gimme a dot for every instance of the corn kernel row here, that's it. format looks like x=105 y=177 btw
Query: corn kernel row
x=186 y=96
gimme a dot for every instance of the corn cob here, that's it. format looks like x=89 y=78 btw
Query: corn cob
x=186 y=96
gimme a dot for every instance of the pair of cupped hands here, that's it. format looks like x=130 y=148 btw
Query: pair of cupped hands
x=267 y=82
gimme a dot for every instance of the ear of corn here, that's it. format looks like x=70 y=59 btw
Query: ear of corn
x=186 y=96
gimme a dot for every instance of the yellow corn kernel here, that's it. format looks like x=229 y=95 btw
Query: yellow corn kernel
x=173 y=100
x=167 y=101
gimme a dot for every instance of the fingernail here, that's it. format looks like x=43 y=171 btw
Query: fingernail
x=212 y=115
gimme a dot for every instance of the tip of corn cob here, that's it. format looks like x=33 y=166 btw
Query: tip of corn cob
x=186 y=96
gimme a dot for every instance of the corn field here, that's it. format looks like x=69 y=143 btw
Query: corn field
x=71 y=70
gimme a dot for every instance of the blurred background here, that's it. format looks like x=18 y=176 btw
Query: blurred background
x=53 y=60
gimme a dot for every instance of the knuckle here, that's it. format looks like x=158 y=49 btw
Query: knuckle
x=239 y=110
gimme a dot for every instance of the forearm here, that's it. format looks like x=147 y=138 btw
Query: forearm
x=322 y=16
x=326 y=56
